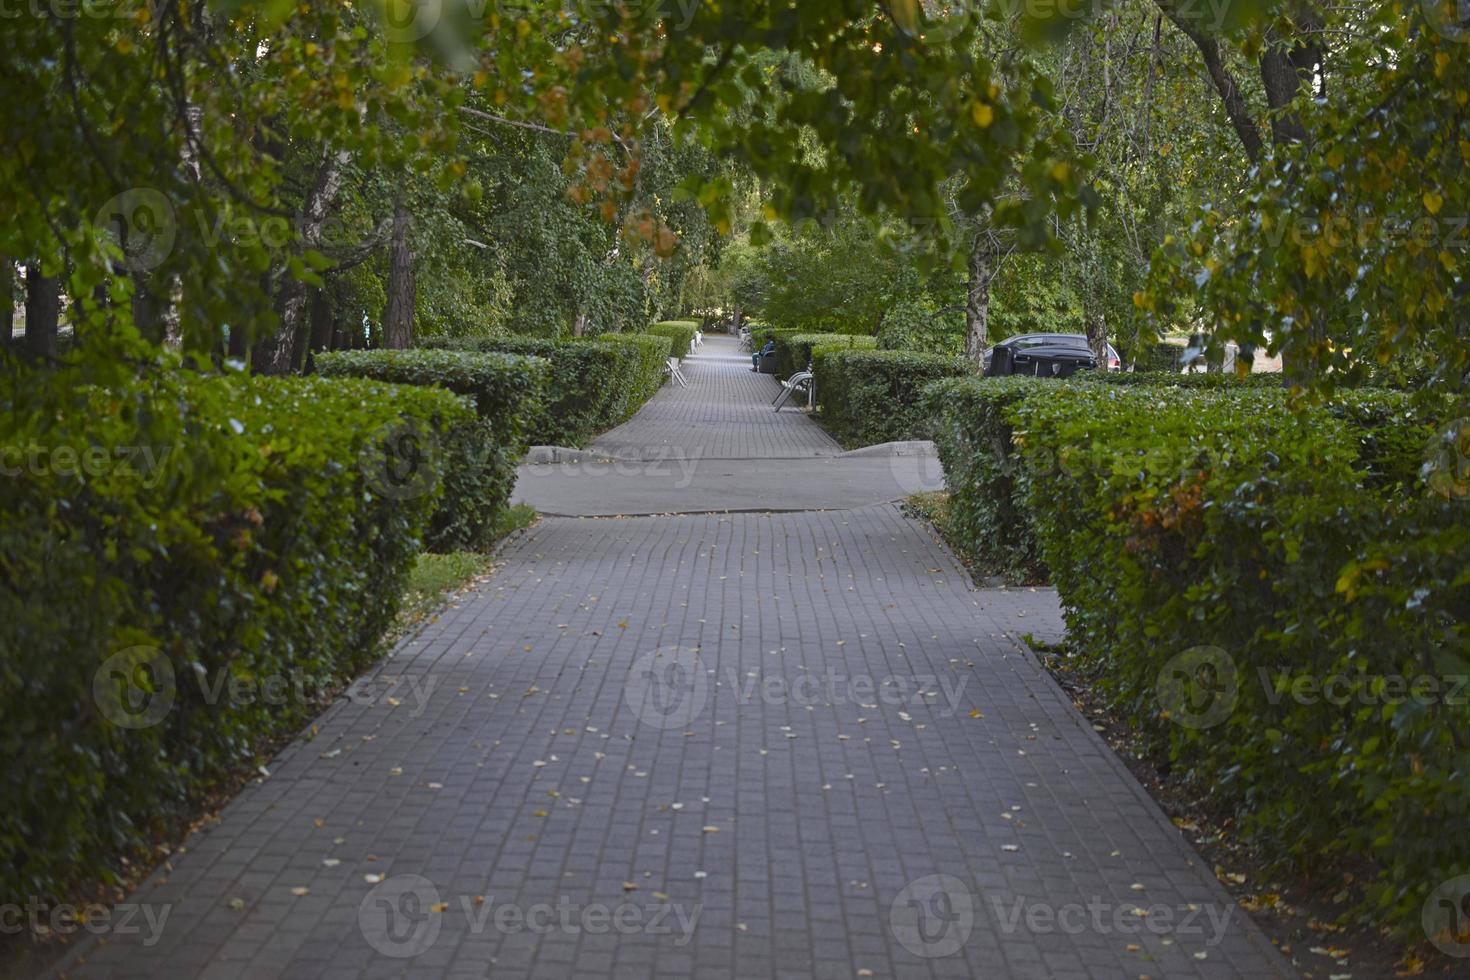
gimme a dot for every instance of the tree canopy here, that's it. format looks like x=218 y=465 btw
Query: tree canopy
x=242 y=178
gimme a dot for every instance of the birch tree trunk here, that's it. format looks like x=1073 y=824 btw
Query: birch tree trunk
x=977 y=300
x=1096 y=327
x=279 y=354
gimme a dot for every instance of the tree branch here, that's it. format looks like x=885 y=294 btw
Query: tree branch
x=1225 y=84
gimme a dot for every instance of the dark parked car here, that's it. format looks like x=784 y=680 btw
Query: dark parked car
x=1047 y=355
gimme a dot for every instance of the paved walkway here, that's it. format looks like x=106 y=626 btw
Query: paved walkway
x=718 y=445
x=744 y=745
x=725 y=413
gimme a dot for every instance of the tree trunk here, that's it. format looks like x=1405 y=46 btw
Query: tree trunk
x=239 y=345
x=173 y=316
x=1280 y=78
x=1231 y=96
x=1095 y=326
x=323 y=320
x=977 y=302
x=1288 y=63
x=280 y=353
x=7 y=303
x=398 y=317
x=43 y=312
x=148 y=311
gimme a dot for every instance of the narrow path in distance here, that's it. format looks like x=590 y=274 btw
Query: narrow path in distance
x=719 y=445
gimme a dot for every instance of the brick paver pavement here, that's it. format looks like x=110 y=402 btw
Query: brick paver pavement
x=750 y=745
x=725 y=413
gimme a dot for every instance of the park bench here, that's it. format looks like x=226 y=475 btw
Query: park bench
x=671 y=368
x=801 y=381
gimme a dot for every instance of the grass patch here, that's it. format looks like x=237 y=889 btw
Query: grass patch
x=435 y=578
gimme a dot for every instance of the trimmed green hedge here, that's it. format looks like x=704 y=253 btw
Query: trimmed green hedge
x=794 y=351
x=1156 y=379
x=191 y=565
x=972 y=432
x=788 y=359
x=873 y=396
x=642 y=361
x=1392 y=429
x=503 y=387
x=680 y=334
x=1220 y=557
x=508 y=391
x=586 y=394
x=971 y=424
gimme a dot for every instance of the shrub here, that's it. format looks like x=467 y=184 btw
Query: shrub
x=1393 y=430
x=225 y=535
x=642 y=361
x=790 y=360
x=873 y=396
x=972 y=431
x=680 y=334
x=1218 y=381
x=971 y=428
x=794 y=351
x=503 y=387
x=1391 y=427
x=1176 y=518
x=508 y=392
x=585 y=394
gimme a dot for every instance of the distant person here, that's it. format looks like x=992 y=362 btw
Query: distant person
x=755 y=359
